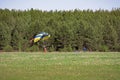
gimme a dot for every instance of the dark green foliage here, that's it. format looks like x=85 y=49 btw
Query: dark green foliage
x=51 y=49
x=33 y=48
x=70 y=30
x=8 y=48
x=103 y=48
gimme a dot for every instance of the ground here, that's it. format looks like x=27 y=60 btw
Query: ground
x=60 y=66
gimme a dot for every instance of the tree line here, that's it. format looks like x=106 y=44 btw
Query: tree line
x=70 y=30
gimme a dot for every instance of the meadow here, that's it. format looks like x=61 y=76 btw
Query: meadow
x=60 y=66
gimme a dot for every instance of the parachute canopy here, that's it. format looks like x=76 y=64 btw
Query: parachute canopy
x=41 y=36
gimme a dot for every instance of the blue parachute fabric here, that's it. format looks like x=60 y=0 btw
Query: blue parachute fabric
x=41 y=35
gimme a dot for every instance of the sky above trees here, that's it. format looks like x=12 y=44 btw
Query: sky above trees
x=60 y=4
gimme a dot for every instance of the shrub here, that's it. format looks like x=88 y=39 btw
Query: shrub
x=104 y=48
x=34 y=48
x=8 y=48
x=51 y=49
x=67 y=48
x=117 y=48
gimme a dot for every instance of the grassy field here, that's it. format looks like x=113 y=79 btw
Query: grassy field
x=60 y=66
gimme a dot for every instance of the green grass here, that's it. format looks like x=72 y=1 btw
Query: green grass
x=60 y=66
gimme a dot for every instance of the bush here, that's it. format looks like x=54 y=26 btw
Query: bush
x=34 y=48
x=117 y=48
x=8 y=48
x=51 y=49
x=104 y=48
x=67 y=48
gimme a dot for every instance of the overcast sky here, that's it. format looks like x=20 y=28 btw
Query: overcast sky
x=60 y=4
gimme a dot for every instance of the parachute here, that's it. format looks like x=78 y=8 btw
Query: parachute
x=41 y=36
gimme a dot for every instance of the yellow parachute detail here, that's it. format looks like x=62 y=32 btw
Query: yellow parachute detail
x=46 y=37
x=36 y=39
